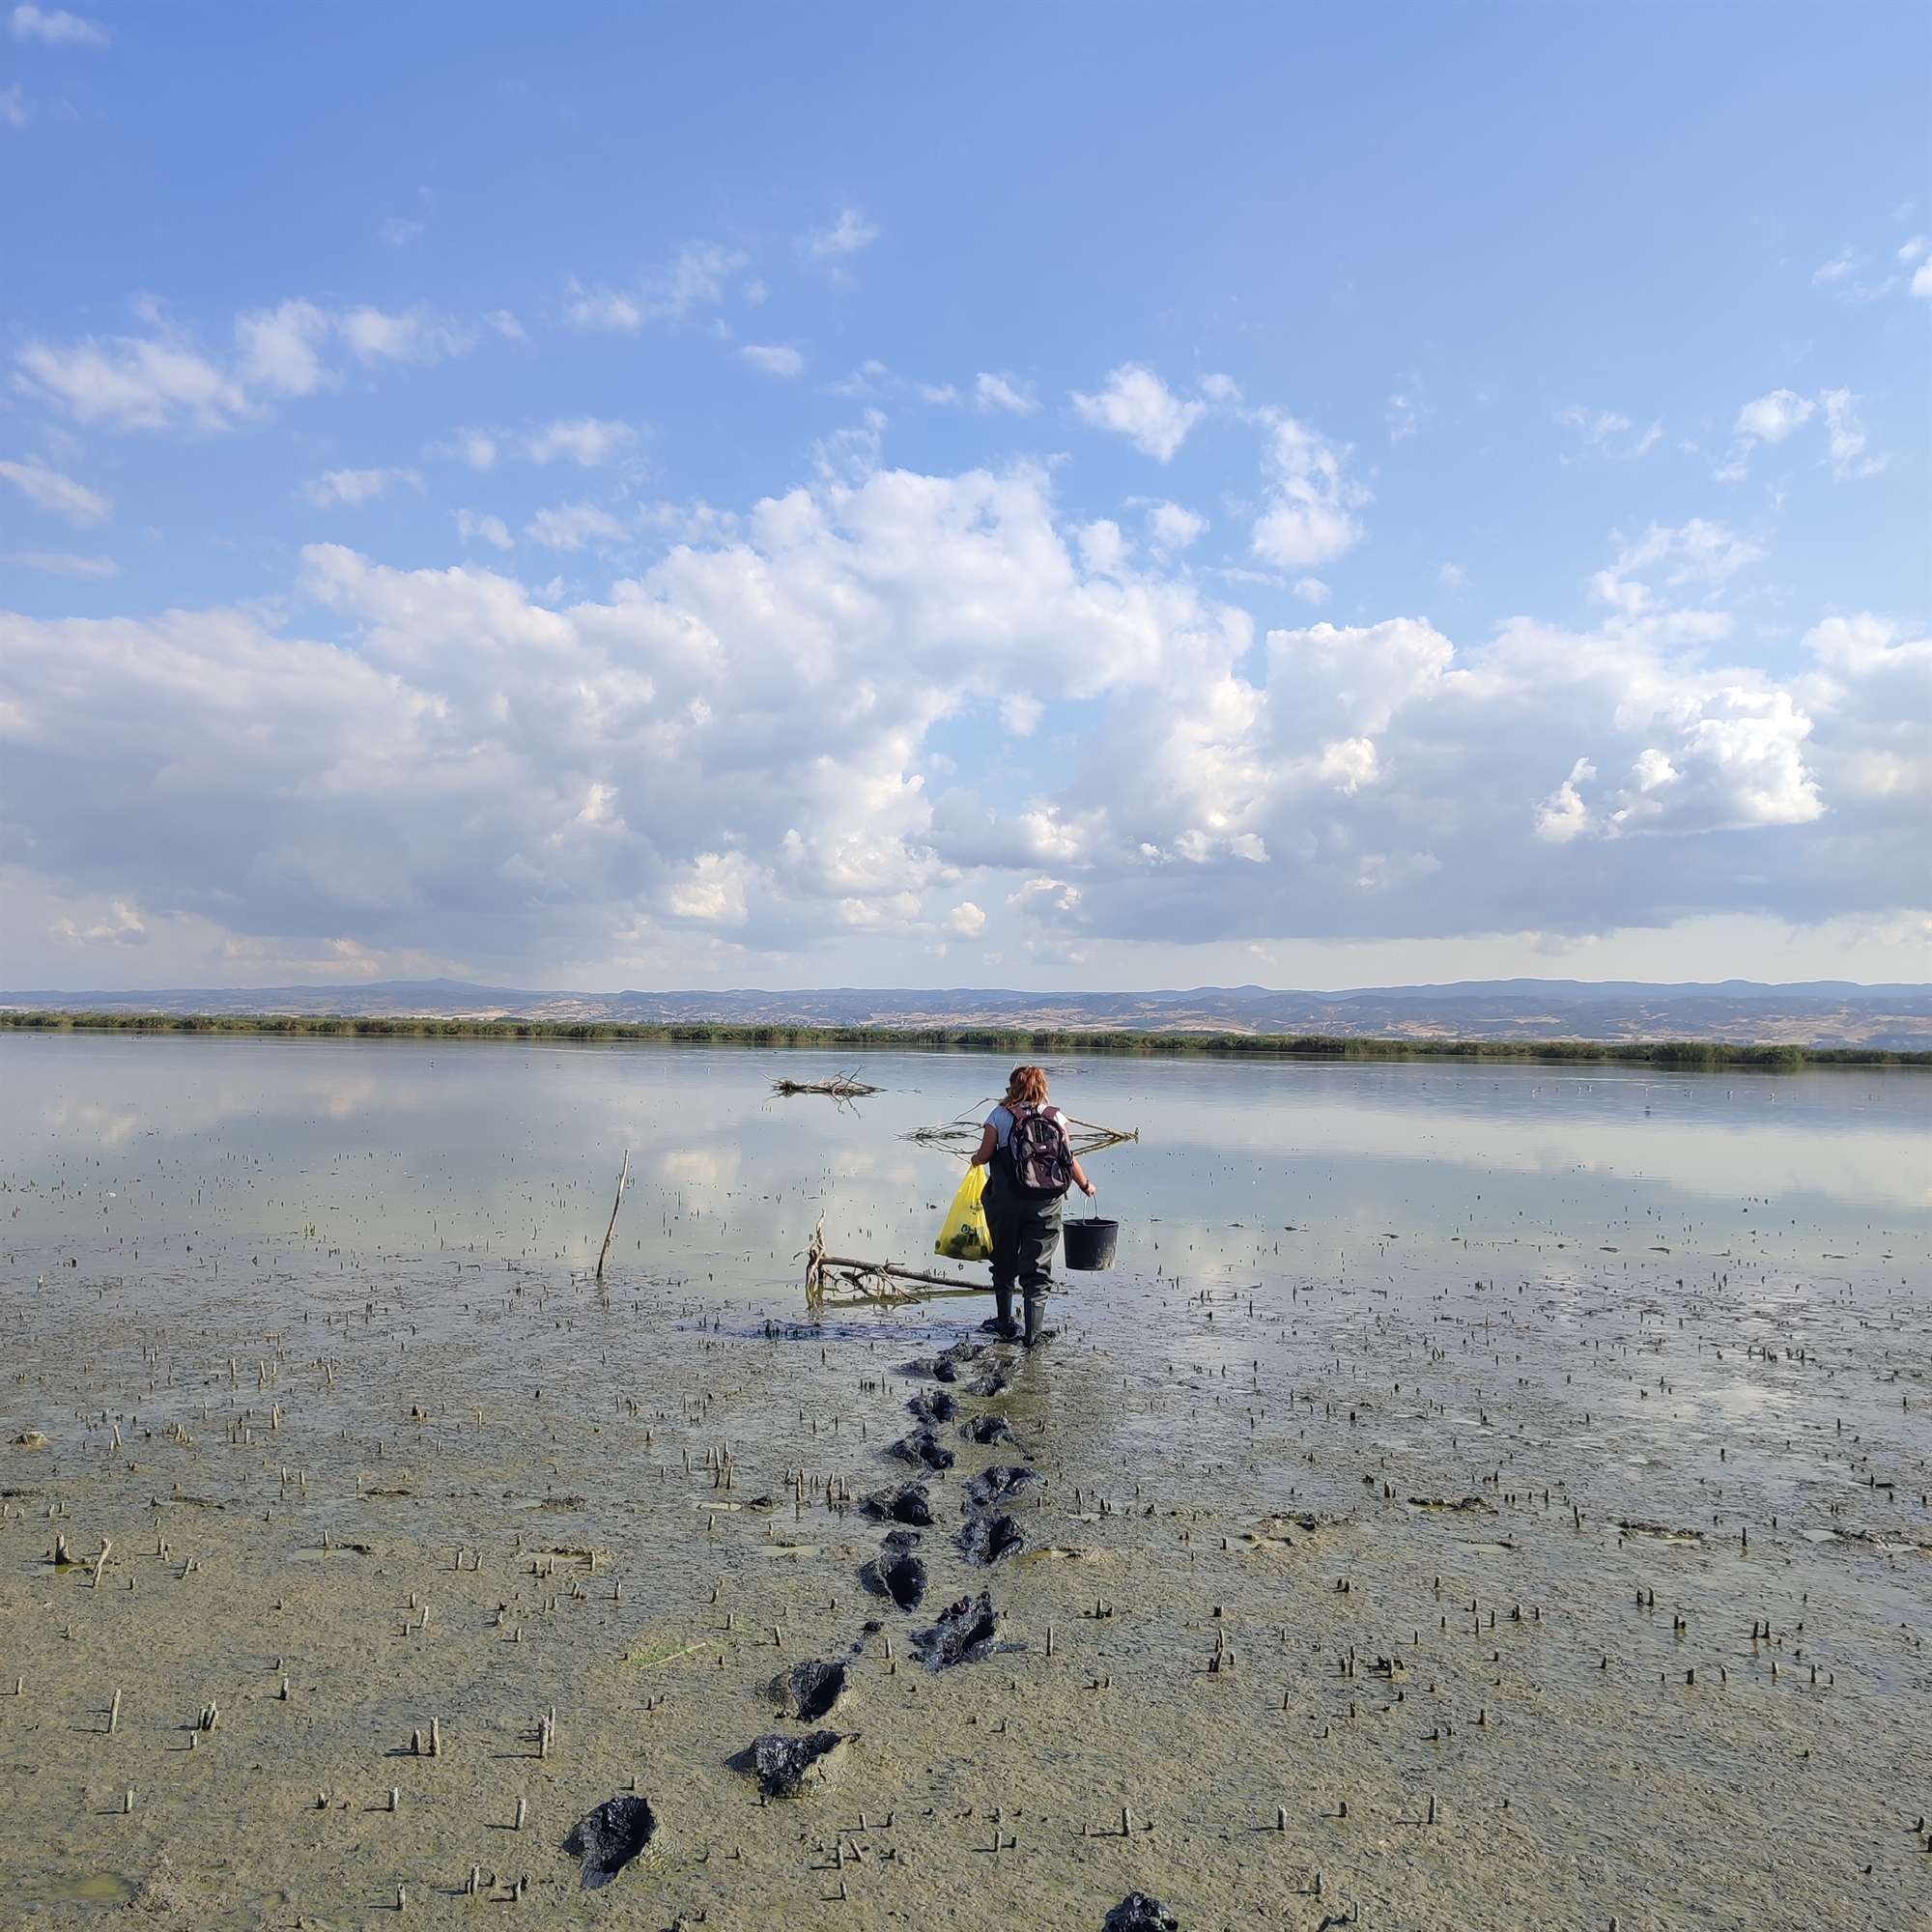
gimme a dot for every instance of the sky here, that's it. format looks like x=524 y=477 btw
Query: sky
x=1051 y=496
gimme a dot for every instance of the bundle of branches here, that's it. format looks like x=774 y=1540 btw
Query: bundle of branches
x=841 y=1086
x=961 y=1136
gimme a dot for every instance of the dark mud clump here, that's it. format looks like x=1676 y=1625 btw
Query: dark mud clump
x=992 y=1383
x=811 y=1688
x=896 y=1572
x=924 y=1447
x=902 y=1579
x=988 y=1535
x=610 y=1838
x=1138 y=1913
x=988 y=1428
x=934 y=1406
x=999 y=1484
x=964 y=1633
x=946 y=1366
x=902 y=1502
x=783 y=1764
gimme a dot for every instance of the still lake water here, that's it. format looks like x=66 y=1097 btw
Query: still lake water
x=313 y=1155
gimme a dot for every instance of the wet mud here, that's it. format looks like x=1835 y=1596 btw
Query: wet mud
x=786 y=1765
x=988 y=1429
x=902 y=1502
x=1138 y=1913
x=607 y=1838
x=896 y=1572
x=1000 y=1484
x=966 y=1632
x=922 y=1447
x=1508 y=1589
x=988 y=1535
x=810 y=1690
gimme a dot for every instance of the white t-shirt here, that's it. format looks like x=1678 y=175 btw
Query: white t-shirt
x=1001 y=1121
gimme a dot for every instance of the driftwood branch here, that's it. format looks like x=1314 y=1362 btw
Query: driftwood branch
x=840 y=1087
x=962 y=1135
x=622 y=1178
x=877 y=1282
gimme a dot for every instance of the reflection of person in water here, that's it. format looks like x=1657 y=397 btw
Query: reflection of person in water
x=1030 y=1165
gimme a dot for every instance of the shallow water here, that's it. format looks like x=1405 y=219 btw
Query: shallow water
x=303 y=1320
x=396 y=1147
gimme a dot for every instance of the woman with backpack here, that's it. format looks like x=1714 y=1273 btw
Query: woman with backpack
x=1030 y=1166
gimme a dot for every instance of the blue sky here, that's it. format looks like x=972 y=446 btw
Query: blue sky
x=1030 y=495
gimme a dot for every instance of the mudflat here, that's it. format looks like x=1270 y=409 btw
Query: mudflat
x=1511 y=1585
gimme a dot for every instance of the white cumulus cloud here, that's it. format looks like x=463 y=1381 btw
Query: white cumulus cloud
x=1137 y=404
x=739 y=746
x=1307 y=520
x=1173 y=528
x=1771 y=418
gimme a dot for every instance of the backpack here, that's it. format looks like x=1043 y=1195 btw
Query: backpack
x=1039 y=1152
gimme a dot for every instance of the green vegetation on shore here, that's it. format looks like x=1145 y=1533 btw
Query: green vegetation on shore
x=1689 y=1053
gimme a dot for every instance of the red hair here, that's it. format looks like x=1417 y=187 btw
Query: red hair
x=1028 y=1086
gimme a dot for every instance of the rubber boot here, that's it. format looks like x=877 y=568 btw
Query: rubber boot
x=1002 y=1324
x=1037 y=1330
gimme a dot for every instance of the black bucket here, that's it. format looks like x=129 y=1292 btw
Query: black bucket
x=1090 y=1244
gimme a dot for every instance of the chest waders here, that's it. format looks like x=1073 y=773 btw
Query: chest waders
x=1025 y=1232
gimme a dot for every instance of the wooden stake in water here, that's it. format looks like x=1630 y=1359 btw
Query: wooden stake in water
x=624 y=1176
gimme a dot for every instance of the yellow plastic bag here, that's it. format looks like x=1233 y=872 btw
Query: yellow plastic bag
x=966 y=1236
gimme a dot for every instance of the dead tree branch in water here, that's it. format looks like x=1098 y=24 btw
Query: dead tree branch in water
x=855 y=1282
x=840 y=1087
x=962 y=1135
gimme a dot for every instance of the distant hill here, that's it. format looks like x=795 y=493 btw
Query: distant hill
x=1823 y=1012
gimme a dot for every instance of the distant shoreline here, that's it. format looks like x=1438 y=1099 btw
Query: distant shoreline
x=1690 y=1055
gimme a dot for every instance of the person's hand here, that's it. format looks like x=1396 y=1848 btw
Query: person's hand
x=1092 y=1190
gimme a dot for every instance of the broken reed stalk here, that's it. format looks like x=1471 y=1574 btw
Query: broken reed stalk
x=622 y=1178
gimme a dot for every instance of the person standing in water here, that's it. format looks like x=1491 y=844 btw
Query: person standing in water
x=1030 y=1165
